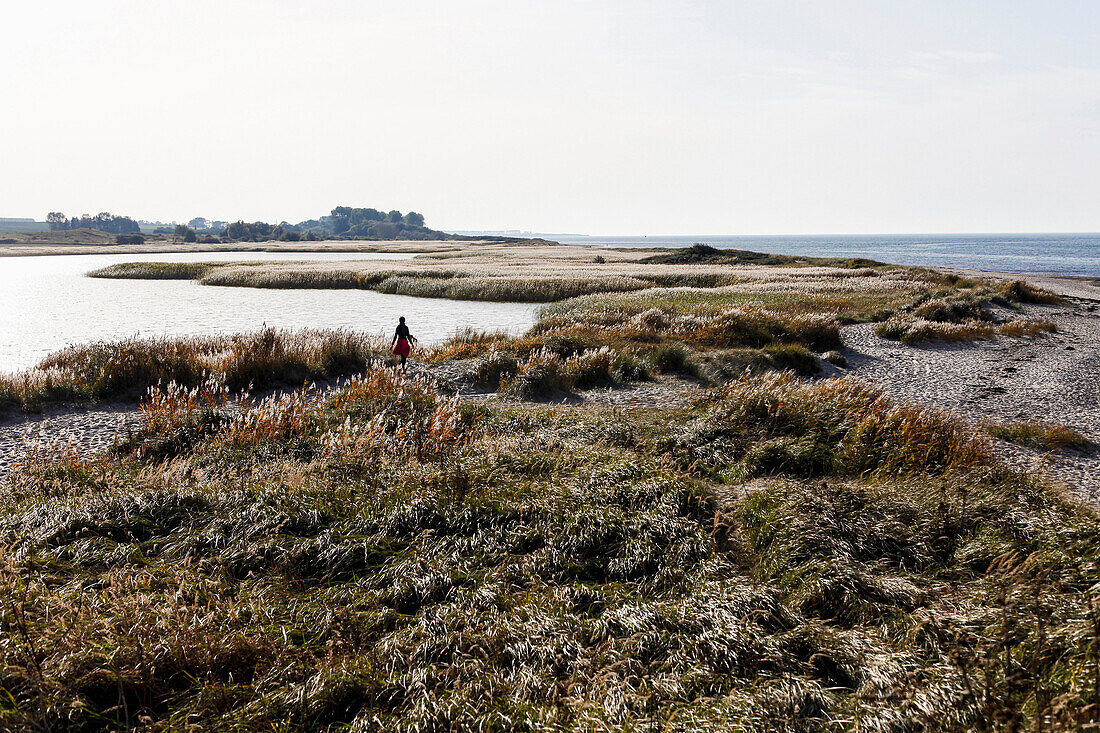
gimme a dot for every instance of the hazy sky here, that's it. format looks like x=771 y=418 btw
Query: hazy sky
x=599 y=116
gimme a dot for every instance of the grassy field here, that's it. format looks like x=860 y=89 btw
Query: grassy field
x=547 y=273
x=773 y=554
x=779 y=555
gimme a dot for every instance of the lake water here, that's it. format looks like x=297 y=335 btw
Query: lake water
x=1051 y=254
x=46 y=303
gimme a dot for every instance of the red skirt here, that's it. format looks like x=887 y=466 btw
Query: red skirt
x=402 y=348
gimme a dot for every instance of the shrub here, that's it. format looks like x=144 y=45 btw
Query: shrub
x=129 y=239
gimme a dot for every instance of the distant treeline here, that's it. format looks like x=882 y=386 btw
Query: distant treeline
x=343 y=221
x=104 y=222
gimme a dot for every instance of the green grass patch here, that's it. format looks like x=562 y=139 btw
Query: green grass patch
x=1038 y=435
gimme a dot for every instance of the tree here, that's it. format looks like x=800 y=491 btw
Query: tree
x=394 y=217
x=103 y=221
x=199 y=223
x=190 y=236
x=414 y=219
x=180 y=231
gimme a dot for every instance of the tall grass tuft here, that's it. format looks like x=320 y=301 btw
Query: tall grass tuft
x=778 y=424
x=127 y=369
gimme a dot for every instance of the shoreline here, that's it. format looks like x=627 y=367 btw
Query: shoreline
x=1086 y=287
x=936 y=373
x=338 y=245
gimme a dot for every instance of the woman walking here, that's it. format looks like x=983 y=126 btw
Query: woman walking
x=403 y=341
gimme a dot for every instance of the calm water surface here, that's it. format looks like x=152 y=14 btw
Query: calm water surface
x=1049 y=254
x=46 y=303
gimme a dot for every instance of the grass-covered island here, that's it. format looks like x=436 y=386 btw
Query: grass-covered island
x=484 y=545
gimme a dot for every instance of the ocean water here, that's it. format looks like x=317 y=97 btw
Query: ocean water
x=1047 y=254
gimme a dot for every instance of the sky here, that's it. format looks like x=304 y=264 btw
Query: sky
x=586 y=116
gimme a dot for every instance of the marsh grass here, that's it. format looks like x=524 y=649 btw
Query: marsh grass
x=154 y=271
x=555 y=273
x=1018 y=291
x=127 y=369
x=379 y=557
x=779 y=424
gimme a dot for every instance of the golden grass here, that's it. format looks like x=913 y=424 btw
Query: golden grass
x=383 y=558
x=1039 y=435
x=918 y=330
x=126 y=369
x=546 y=273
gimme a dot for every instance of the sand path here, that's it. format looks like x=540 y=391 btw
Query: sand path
x=1053 y=378
x=88 y=431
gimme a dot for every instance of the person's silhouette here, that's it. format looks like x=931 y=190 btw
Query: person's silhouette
x=403 y=341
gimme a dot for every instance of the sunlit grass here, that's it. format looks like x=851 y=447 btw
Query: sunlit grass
x=1039 y=435
x=126 y=369
x=385 y=558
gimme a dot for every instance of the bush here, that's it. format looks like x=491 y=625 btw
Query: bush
x=129 y=239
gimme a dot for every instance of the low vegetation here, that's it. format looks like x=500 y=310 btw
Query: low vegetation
x=127 y=369
x=624 y=318
x=543 y=273
x=702 y=253
x=1038 y=435
x=966 y=316
x=778 y=556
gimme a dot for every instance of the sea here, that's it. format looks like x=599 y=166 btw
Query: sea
x=1046 y=254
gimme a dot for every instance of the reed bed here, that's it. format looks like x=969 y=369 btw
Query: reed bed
x=379 y=557
x=155 y=271
x=545 y=274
